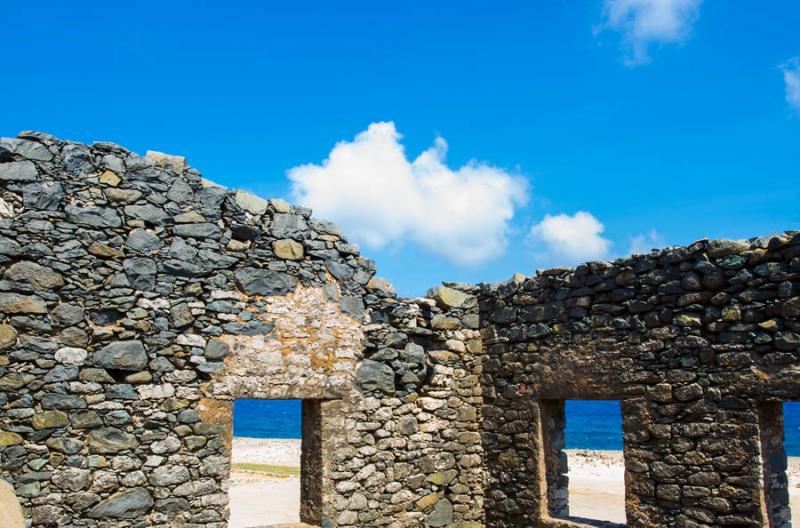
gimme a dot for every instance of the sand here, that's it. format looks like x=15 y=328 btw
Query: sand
x=597 y=488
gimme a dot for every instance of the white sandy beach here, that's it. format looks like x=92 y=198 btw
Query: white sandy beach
x=597 y=489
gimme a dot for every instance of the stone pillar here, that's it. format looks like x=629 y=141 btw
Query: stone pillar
x=311 y=463
x=554 y=422
x=639 y=447
x=774 y=463
x=516 y=489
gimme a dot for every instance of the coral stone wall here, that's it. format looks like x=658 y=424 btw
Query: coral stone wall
x=138 y=300
x=700 y=344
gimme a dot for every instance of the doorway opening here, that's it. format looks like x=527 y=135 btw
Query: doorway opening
x=584 y=463
x=276 y=463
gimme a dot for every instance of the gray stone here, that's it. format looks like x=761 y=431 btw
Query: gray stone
x=169 y=476
x=110 y=440
x=254 y=281
x=202 y=230
x=18 y=171
x=38 y=276
x=180 y=192
x=250 y=202
x=288 y=226
x=129 y=504
x=122 y=355
x=32 y=150
x=9 y=247
x=147 y=213
x=216 y=349
x=340 y=270
x=374 y=376
x=141 y=273
x=93 y=216
x=442 y=514
x=67 y=314
x=143 y=240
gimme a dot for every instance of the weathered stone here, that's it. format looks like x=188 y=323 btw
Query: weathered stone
x=791 y=308
x=442 y=514
x=450 y=298
x=18 y=171
x=141 y=272
x=110 y=440
x=50 y=420
x=71 y=356
x=161 y=160
x=373 y=376
x=143 y=240
x=67 y=314
x=288 y=249
x=13 y=303
x=122 y=355
x=93 y=216
x=101 y=250
x=8 y=336
x=110 y=178
x=32 y=150
x=128 y=504
x=123 y=195
x=253 y=281
x=200 y=230
x=9 y=439
x=72 y=479
x=250 y=202
x=40 y=277
x=147 y=213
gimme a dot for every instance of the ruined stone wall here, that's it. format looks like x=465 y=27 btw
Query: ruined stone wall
x=700 y=345
x=138 y=301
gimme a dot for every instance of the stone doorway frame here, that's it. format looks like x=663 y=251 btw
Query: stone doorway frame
x=322 y=430
x=554 y=488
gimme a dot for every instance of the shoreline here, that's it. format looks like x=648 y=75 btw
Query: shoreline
x=597 y=482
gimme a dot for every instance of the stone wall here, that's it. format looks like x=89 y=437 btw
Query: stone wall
x=138 y=301
x=700 y=345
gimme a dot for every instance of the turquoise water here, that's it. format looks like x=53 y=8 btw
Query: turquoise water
x=590 y=424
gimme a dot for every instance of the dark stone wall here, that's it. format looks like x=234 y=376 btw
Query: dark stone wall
x=694 y=341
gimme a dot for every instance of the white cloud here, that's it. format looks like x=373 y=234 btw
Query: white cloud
x=379 y=196
x=571 y=239
x=644 y=23
x=643 y=243
x=791 y=77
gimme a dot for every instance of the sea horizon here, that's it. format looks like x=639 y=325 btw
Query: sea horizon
x=591 y=425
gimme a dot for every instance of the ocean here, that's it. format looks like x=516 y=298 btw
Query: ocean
x=590 y=424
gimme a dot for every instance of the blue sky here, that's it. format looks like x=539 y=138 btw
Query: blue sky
x=592 y=125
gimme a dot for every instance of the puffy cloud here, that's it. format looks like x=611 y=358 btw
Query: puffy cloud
x=379 y=196
x=791 y=78
x=571 y=239
x=644 y=23
x=643 y=243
